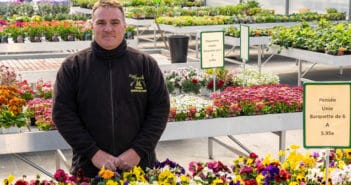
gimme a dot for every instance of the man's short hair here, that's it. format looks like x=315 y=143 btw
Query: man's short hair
x=108 y=3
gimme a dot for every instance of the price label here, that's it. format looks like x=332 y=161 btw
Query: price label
x=327 y=115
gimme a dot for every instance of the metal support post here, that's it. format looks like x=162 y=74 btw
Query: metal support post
x=31 y=163
x=282 y=143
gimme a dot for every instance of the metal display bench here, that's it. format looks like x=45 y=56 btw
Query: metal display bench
x=260 y=42
x=37 y=141
x=312 y=57
x=147 y=24
x=30 y=50
x=35 y=50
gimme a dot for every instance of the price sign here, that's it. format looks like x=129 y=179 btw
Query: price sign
x=326 y=115
x=212 y=49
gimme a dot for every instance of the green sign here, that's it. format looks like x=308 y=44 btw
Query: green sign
x=326 y=115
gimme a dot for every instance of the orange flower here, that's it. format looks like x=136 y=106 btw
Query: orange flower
x=106 y=174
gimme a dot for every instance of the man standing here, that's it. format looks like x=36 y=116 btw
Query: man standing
x=111 y=103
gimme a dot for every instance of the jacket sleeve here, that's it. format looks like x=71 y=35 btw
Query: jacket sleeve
x=65 y=111
x=157 y=111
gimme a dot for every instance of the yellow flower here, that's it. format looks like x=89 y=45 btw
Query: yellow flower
x=136 y=174
x=294 y=147
x=184 y=179
x=249 y=161
x=347 y=153
x=301 y=177
x=281 y=152
x=106 y=174
x=339 y=154
x=239 y=159
x=10 y=178
x=111 y=182
x=166 y=177
x=260 y=179
x=267 y=159
x=341 y=164
x=293 y=183
x=217 y=181
x=238 y=178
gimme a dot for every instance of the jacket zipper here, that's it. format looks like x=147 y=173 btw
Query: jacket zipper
x=112 y=111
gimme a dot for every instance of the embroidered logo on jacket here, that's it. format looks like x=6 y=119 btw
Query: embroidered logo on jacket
x=137 y=84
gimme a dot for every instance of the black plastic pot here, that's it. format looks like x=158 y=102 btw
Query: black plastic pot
x=178 y=48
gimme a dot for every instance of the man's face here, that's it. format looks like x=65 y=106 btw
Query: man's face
x=108 y=27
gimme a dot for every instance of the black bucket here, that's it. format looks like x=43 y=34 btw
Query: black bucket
x=178 y=48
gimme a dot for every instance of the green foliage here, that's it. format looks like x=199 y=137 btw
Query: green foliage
x=44 y=8
x=326 y=37
x=60 y=8
x=170 y=86
x=8 y=119
x=188 y=86
x=3 y=8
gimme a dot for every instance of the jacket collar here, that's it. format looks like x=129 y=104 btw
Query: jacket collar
x=108 y=54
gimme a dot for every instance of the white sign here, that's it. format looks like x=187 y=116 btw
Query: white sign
x=244 y=42
x=212 y=49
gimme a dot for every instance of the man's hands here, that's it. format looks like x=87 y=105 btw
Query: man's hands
x=126 y=161
x=107 y=160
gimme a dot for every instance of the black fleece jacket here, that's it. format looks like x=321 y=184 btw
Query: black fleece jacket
x=111 y=100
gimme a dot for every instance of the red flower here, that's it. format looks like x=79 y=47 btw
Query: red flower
x=220 y=84
x=251 y=182
x=253 y=155
x=21 y=182
x=60 y=175
x=195 y=81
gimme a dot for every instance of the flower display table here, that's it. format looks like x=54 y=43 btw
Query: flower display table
x=313 y=57
x=37 y=141
x=40 y=49
x=147 y=24
x=31 y=50
x=276 y=123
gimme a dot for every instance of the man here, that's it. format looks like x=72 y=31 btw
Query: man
x=111 y=103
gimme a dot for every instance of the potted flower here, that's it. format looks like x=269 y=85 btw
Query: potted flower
x=25 y=90
x=11 y=108
x=7 y=76
x=40 y=109
x=34 y=31
x=67 y=31
x=44 y=89
x=16 y=31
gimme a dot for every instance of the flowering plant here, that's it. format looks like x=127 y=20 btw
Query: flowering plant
x=44 y=89
x=223 y=78
x=214 y=172
x=262 y=99
x=7 y=75
x=16 y=31
x=188 y=107
x=251 y=76
x=41 y=109
x=11 y=107
x=297 y=169
x=187 y=79
x=25 y=90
